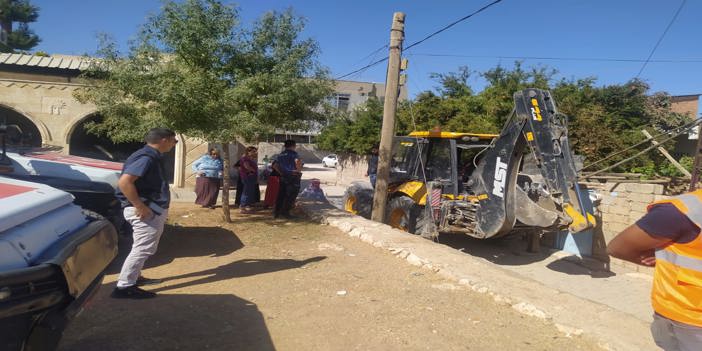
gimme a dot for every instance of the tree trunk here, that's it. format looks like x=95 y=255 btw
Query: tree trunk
x=225 y=183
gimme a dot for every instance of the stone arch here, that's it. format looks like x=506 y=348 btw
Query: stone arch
x=72 y=125
x=81 y=143
x=35 y=133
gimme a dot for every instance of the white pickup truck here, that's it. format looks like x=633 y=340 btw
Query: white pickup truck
x=53 y=255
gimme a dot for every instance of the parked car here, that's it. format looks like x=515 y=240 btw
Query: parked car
x=53 y=256
x=330 y=161
x=91 y=182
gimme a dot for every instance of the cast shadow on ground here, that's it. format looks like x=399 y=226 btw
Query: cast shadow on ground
x=169 y=322
x=509 y=250
x=178 y=241
x=574 y=265
x=237 y=269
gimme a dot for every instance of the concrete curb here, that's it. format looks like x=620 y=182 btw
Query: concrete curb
x=571 y=315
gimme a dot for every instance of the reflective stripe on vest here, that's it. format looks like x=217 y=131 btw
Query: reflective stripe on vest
x=679 y=260
x=694 y=207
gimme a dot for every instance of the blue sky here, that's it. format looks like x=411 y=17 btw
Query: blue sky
x=349 y=31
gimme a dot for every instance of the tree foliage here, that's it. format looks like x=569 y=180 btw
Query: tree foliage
x=356 y=132
x=20 y=12
x=195 y=69
x=602 y=119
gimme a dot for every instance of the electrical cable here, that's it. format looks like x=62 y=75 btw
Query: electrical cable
x=655 y=47
x=638 y=153
x=594 y=59
x=684 y=127
x=452 y=24
x=444 y=28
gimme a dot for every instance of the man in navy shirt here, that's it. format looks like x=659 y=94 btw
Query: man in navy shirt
x=289 y=166
x=145 y=197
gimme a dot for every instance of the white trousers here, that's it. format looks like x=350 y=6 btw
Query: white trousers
x=147 y=234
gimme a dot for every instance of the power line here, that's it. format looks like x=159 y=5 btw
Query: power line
x=452 y=24
x=362 y=68
x=372 y=54
x=672 y=20
x=425 y=38
x=596 y=59
x=372 y=57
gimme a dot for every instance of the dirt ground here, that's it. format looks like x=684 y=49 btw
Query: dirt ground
x=259 y=284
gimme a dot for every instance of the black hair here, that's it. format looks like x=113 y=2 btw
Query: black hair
x=289 y=143
x=155 y=135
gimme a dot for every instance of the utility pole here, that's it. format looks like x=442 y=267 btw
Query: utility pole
x=397 y=35
x=697 y=166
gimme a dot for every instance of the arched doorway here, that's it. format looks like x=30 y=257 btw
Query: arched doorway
x=82 y=143
x=21 y=131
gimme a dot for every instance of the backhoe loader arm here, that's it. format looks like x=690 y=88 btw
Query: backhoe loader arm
x=535 y=126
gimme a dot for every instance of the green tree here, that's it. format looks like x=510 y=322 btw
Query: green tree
x=356 y=132
x=197 y=70
x=602 y=119
x=21 y=12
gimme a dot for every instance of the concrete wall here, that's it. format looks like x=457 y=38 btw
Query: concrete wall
x=621 y=205
x=309 y=153
x=350 y=169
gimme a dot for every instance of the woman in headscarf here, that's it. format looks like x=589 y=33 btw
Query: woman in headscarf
x=209 y=177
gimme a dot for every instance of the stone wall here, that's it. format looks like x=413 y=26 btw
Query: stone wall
x=624 y=203
x=620 y=206
x=350 y=169
x=195 y=148
x=308 y=152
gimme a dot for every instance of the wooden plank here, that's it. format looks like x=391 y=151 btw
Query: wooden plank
x=666 y=154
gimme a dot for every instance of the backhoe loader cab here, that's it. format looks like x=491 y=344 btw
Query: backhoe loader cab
x=483 y=185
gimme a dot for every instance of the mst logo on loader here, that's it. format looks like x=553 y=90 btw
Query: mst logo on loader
x=500 y=178
x=535 y=110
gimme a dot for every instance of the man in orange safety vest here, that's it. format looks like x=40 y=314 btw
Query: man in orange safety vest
x=668 y=237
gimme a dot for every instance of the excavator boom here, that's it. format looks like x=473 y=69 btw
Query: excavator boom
x=547 y=197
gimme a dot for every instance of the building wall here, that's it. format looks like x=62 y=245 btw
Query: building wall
x=360 y=91
x=50 y=105
x=686 y=104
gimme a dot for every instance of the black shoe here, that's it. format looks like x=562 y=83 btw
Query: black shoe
x=141 y=281
x=132 y=292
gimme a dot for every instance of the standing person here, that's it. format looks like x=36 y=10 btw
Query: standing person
x=239 y=184
x=145 y=197
x=289 y=166
x=209 y=178
x=248 y=173
x=272 y=186
x=372 y=172
x=668 y=237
